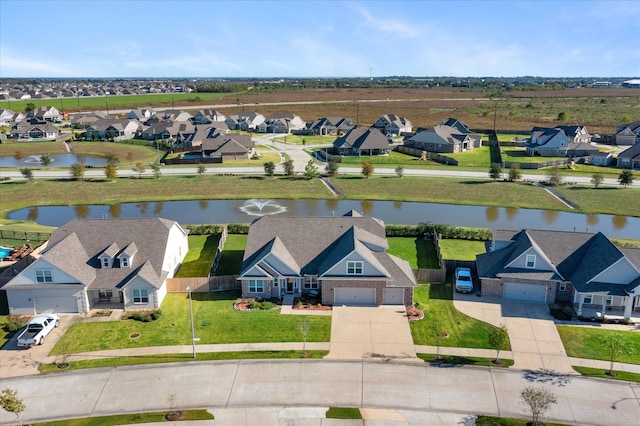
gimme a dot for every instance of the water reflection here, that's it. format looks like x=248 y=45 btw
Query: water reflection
x=492 y=214
x=550 y=216
x=115 y=210
x=619 y=222
x=203 y=204
x=332 y=204
x=592 y=219
x=511 y=212
x=397 y=205
x=57 y=160
x=157 y=210
x=143 y=207
x=367 y=207
x=83 y=211
x=33 y=214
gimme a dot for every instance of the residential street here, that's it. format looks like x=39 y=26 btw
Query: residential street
x=254 y=385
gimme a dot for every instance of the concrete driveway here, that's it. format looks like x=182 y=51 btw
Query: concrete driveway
x=380 y=332
x=16 y=361
x=535 y=342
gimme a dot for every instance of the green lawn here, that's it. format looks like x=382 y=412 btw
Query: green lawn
x=442 y=317
x=266 y=156
x=232 y=253
x=601 y=373
x=507 y=421
x=199 y=258
x=461 y=249
x=464 y=360
x=165 y=358
x=477 y=157
x=128 y=419
x=215 y=322
x=343 y=413
x=419 y=253
x=504 y=137
x=306 y=139
x=584 y=342
x=608 y=200
x=519 y=155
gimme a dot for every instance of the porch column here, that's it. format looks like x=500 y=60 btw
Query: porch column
x=579 y=313
x=628 y=306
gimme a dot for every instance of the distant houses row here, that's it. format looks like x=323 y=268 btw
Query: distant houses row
x=200 y=130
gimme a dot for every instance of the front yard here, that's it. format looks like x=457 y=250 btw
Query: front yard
x=584 y=342
x=442 y=318
x=215 y=322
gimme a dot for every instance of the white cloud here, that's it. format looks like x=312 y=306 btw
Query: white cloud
x=386 y=26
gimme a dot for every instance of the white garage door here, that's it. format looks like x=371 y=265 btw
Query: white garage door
x=49 y=305
x=393 y=296
x=354 y=296
x=528 y=292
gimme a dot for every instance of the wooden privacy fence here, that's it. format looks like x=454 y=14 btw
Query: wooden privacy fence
x=203 y=284
x=430 y=155
x=22 y=235
x=216 y=259
x=435 y=276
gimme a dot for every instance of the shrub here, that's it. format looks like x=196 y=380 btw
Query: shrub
x=13 y=325
x=238 y=228
x=156 y=315
x=267 y=305
x=254 y=304
x=138 y=316
x=208 y=229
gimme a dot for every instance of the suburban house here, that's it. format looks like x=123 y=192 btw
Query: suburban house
x=282 y=123
x=343 y=259
x=207 y=116
x=449 y=136
x=87 y=119
x=26 y=131
x=244 y=121
x=392 y=125
x=330 y=126
x=141 y=114
x=114 y=128
x=561 y=141
x=165 y=130
x=362 y=141
x=628 y=134
x=576 y=134
x=629 y=158
x=8 y=117
x=228 y=146
x=584 y=269
x=45 y=113
x=175 y=115
x=89 y=263
x=601 y=158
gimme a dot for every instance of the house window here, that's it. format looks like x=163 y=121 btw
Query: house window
x=531 y=261
x=124 y=262
x=587 y=299
x=256 y=286
x=609 y=300
x=105 y=262
x=140 y=295
x=354 y=267
x=44 y=276
x=562 y=287
x=310 y=282
x=105 y=294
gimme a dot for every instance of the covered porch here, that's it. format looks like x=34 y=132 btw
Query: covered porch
x=600 y=305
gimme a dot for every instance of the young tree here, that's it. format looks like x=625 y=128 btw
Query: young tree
x=10 y=403
x=77 y=171
x=495 y=171
x=555 y=176
x=331 y=169
x=30 y=106
x=288 y=167
x=514 y=172
x=537 y=401
x=155 y=167
x=269 y=168
x=499 y=340
x=139 y=168
x=614 y=346
x=367 y=169
x=45 y=159
x=305 y=326
x=111 y=171
x=27 y=173
x=563 y=116
x=596 y=179
x=202 y=169
x=626 y=177
x=399 y=171
x=310 y=170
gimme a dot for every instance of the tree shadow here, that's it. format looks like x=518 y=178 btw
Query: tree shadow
x=547 y=376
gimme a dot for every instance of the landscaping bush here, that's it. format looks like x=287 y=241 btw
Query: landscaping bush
x=254 y=304
x=146 y=316
x=238 y=228
x=267 y=305
x=204 y=229
x=14 y=324
x=445 y=231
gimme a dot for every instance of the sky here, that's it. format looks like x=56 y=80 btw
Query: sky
x=165 y=38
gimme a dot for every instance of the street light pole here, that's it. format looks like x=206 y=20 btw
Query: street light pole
x=193 y=335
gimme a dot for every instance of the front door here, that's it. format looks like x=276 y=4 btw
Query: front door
x=289 y=285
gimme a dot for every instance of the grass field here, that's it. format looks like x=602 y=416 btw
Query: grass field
x=453 y=360
x=418 y=252
x=231 y=259
x=215 y=322
x=306 y=139
x=617 y=201
x=461 y=249
x=128 y=419
x=601 y=373
x=519 y=155
x=199 y=258
x=440 y=316
x=584 y=342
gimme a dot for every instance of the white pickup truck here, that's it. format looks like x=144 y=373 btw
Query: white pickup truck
x=37 y=329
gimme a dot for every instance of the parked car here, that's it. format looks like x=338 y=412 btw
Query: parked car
x=464 y=283
x=37 y=329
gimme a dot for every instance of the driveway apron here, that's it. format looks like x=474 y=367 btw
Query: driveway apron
x=535 y=342
x=371 y=333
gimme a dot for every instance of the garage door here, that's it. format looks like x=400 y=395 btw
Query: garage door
x=48 y=305
x=528 y=292
x=393 y=296
x=354 y=296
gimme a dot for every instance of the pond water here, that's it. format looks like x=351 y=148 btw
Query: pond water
x=57 y=160
x=244 y=211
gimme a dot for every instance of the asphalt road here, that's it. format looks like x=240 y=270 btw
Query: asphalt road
x=315 y=383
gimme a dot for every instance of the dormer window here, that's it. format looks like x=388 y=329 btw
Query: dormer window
x=105 y=263
x=531 y=261
x=124 y=262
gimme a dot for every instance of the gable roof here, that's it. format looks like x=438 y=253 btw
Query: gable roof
x=362 y=138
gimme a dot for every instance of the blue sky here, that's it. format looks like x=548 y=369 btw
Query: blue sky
x=163 y=38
